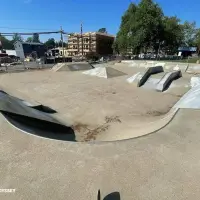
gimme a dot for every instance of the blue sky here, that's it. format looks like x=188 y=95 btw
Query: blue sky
x=47 y=15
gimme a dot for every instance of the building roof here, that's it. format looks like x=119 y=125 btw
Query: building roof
x=30 y=43
x=91 y=33
x=191 y=49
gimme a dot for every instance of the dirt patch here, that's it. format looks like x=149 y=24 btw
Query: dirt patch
x=91 y=135
x=113 y=119
x=156 y=113
x=80 y=127
x=87 y=133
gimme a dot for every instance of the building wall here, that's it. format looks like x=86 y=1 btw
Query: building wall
x=104 y=44
x=66 y=53
x=92 y=42
x=24 y=49
x=30 y=48
x=19 y=50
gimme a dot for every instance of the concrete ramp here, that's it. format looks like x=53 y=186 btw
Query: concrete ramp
x=33 y=120
x=100 y=65
x=134 y=130
x=79 y=66
x=57 y=67
x=104 y=72
x=148 y=73
x=190 y=100
x=176 y=67
x=193 y=69
x=167 y=80
x=134 y=78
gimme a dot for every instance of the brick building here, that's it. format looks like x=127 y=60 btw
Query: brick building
x=100 y=43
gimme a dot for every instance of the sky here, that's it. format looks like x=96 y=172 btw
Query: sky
x=49 y=15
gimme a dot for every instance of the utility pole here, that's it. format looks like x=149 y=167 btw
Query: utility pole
x=61 y=34
x=82 y=38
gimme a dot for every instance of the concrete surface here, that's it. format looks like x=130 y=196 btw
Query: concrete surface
x=90 y=105
x=104 y=72
x=163 y=165
x=76 y=66
x=168 y=66
x=159 y=166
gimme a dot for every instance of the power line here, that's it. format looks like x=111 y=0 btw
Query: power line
x=12 y=28
x=32 y=33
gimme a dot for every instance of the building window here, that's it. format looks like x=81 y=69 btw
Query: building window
x=86 y=40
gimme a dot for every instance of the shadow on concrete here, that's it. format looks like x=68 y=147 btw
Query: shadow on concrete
x=40 y=128
x=149 y=71
x=44 y=109
x=169 y=83
x=34 y=120
x=111 y=196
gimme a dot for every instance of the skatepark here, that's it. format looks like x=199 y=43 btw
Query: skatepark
x=128 y=127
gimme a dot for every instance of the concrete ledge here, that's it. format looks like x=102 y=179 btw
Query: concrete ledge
x=148 y=73
x=167 y=79
x=193 y=69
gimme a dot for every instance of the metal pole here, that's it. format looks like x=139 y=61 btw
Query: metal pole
x=61 y=32
x=82 y=38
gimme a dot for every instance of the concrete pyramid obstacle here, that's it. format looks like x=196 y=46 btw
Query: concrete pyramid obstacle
x=104 y=72
x=134 y=78
x=57 y=66
x=76 y=66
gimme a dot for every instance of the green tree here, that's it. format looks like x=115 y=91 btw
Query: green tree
x=6 y=44
x=197 y=40
x=50 y=43
x=17 y=37
x=29 y=39
x=102 y=30
x=173 y=35
x=123 y=42
x=59 y=44
x=189 y=31
x=36 y=37
x=148 y=29
x=141 y=28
